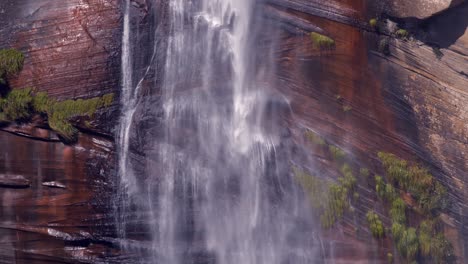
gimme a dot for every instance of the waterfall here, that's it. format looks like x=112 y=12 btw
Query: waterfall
x=128 y=99
x=216 y=189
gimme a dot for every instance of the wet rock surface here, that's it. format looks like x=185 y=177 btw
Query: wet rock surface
x=72 y=49
x=13 y=181
x=411 y=102
x=39 y=224
x=419 y=8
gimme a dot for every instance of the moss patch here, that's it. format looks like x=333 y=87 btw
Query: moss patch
x=321 y=41
x=373 y=23
x=402 y=33
x=20 y=104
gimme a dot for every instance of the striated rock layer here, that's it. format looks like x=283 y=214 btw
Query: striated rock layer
x=412 y=102
x=72 y=48
x=56 y=201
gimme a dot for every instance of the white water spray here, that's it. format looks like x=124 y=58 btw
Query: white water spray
x=214 y=191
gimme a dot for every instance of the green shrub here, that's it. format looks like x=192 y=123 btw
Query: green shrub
x=337 y=204
x=11 y=62
x=41 y=102
x=375 y=224
x=321 y=41
x=379 y=186
x=373 y=23
x=408 y=244
x=430 y=195
x=20 y=104
x=314 y=187
x=347 y=108
x=398 y=211
x=397 y=230
x=433 y=200
x=337 y=153
x=332 y=199
x=107 y=100
x=390 y=258
x=348 y=181
x=390 y=193
x=16 y=105
x=60 y=113
x=402 y=33
x=425 y=237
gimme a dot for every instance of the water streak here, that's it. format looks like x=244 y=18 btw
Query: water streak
x=216 y=190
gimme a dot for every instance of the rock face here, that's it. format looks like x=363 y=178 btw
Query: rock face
x=412 y=102
x=72 y=51
x=72 y=47
x=420 y=9
x=43 y=223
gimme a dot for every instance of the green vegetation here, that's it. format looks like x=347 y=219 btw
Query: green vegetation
x=430 y=195
x=434 y=245
x=375 y=224
x=332 y=199
x=402 y=33
x=379 y=186
x=20 y=104
x=416 y=233
x=431 y=199
x=425 y=236
x=60 y=113
x=313 y=186
x=315 y=138
x=398 y=211
x=337 y=153
x=384 y=190
x=407 y=244
x=321 y=41
x=373 y=23
x=389 y=258
x=347 y=108
x=16 y=105
x=11 y=62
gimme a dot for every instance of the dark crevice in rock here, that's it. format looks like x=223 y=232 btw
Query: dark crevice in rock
x=441 y=30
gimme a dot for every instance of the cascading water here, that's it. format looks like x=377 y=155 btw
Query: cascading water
x=216 y=188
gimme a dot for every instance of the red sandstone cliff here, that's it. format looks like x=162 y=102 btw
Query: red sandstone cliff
x=412 y=102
